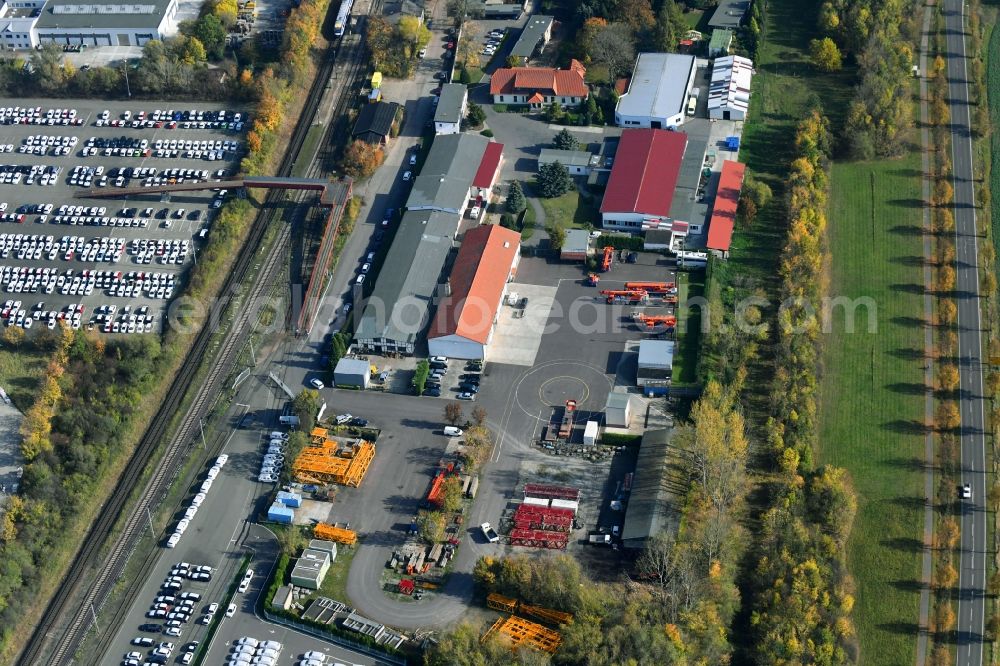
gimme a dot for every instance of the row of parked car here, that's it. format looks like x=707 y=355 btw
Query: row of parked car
x=274 y=459
x=248 y=651
x=468 y=385
x=196 y=501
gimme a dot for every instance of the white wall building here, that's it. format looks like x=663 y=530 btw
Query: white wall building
x=729 y=91
x=26 y=24
x=451 y=108
x=658 y=92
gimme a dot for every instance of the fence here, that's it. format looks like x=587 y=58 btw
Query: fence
x=334 y=638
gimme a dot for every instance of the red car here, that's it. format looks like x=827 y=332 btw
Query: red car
x=450 y=45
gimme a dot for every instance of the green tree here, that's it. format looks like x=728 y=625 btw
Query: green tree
x=670 y=27
x=414 y=32
x=515 y=198
x=47 y=67
x=557 y=234
x=512 y=61
x=614 y=47
x=420 y=375
x=212 y=34
x=564 y=140
x=824 y=55
x=476 y=115
x=432 y=525
x=554 y=180
x=306 y=406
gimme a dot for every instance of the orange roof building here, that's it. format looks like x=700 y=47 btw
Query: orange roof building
x=539 y=85
x=466 y=318
x=727 y=199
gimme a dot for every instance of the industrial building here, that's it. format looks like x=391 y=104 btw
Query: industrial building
x=374 y=123
x=652 y=505
x=538 y=86
x=727 y=199
x=536 y=34
x=658 y=91
x=643 y=178
x=26 y=24
x=576 y=245
x=282 y=598
x=398 y=309
x=467 y=316
x=729 y=14
x=657 y=240
x=310 y=569
x=656 y=362
x=451 y=108
x=618 y=410
x=729 y=90
x=325 y=546
x=577 y=162
x=445 y=180
x=352 y=373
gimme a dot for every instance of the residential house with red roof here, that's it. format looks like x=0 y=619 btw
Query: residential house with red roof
x=539 y=86
x=466 y=318
x=642 y=182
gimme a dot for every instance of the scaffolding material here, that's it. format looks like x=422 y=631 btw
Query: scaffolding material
x=326 y=461
x=547 y=614
x=501 y=603
x=547 y=491
x=328 y=532
x=524 y=632
x=538 y=538
x=533 y=517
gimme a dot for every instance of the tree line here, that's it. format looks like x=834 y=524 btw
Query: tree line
x=73 y=434
x=879 y=36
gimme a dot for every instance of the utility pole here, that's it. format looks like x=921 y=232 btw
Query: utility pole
x=149 y=516
x=201 y=424
x=127 y=88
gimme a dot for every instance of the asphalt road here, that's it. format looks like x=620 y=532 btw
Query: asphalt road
x=972 y=573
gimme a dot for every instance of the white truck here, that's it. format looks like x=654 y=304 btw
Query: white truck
x=490 y=533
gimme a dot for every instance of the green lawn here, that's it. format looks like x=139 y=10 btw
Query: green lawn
x=573 y=210
x=685 y=370
x=335 y=583
x=20 y=372
x=872 y=410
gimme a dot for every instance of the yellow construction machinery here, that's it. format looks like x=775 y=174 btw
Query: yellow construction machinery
x=328 y=532
x=520 y=632
x=325 y=460
x=511 y=605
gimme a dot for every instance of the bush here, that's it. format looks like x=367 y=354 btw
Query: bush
x=500 y=108
x=487 y=133
x=420 y=376
x=620 y=242
x=617 y=439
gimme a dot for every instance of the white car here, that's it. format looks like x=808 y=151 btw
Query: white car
x=967 y=491
x=316 y=655
x=246 y=640
x=316 y=384
x=231 y=611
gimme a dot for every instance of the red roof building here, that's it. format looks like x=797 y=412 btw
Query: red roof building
x=489 y=169
x=643 y=177
x=727 y=198
x=466 y=318
x=539 y=85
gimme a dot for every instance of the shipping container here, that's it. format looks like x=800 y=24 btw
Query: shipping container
x=536 y=501
x=590 y=433
x=565 y=504
x=289 y=499
x=280 y=513
x=474 y=486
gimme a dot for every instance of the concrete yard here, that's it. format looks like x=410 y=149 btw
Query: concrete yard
x=155 y=218
x=10 y=449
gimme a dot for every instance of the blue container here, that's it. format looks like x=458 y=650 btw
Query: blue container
x=279 y=513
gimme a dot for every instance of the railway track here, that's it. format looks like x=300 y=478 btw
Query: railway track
x=70 y=611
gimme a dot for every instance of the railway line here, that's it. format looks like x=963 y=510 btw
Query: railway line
x=93 y=574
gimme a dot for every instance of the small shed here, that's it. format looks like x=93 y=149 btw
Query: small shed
x=590 y=433
x=282 y=598
x=310 y=569
x=279 y=513
x=352 y=373
x=324 y=546
x=618 y=410
x=293 y=500
x=720 y=42
x=576 y=245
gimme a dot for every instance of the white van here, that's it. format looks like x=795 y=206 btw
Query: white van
x=452 y=431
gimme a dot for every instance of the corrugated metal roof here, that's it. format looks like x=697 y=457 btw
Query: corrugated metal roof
x=658 y=87
x=645 y=172
x=656 y=354
x=449 y=109
x=577 y=241
x=398 y=308
x=727 y=198
x=477 y=283
x=87 y=14
x=447 y=174
x=730 y=84
x=659 y=476
x=579 y=158
x=531 y=36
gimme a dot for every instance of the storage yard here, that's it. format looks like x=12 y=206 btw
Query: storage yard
x=105 y=264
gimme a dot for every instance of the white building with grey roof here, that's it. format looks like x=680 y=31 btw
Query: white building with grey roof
x=658 y=91
x=27 y=24
x=451 y=108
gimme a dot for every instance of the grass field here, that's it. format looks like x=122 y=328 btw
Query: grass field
x=20 y=372
x=685 y=370
x=309 y=145
x=872 y=412
x=573 y=210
